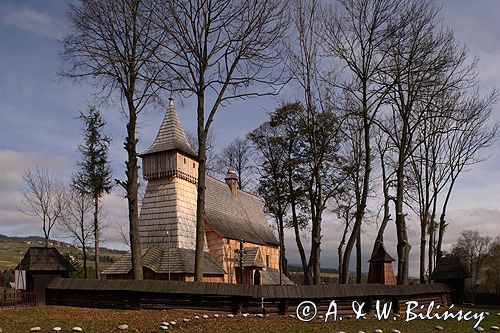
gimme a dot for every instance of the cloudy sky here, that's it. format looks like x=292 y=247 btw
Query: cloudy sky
x=38 y=125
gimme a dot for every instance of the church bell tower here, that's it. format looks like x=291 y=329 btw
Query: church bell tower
x=170 y=166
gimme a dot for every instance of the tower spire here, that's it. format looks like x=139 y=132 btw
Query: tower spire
x=171 y=135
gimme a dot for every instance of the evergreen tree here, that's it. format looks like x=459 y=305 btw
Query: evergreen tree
x=94 y=175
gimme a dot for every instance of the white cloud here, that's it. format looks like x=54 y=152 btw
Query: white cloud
x=31 y=20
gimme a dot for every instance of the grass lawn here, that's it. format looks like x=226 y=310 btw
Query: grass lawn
x=107 y=320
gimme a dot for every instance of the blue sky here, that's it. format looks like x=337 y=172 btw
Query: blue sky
x=38 y=125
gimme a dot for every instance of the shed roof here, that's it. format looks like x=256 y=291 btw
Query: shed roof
x=44 y=259
x=236 y=217
x=251 y=258
x=157 y=260
x=380 y=254
x=171 y=135
x=450 y=267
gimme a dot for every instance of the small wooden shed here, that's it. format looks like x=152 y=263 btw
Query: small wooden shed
x=42 y=265
x=450 y=270
x=381 y=270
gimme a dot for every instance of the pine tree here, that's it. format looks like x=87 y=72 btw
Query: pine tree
x=94 y=175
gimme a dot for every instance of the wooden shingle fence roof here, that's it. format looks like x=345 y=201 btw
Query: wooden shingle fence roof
x=252 y=291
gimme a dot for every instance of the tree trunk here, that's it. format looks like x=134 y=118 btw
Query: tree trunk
x=442 y=221
x=281 y=235
x=423 y=228
x=305 y=268
x=358 y=259
x=200 y=200
x=132 y=187
x=84 y=250
x=361 y=204
x=340 y=249
x=96 y=237
x=401 y=232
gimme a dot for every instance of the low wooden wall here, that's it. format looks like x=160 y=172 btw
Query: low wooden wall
x=235 y=298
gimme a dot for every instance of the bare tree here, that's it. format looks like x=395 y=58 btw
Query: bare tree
x=219 y=49
x=474 y=250
x=113 y=43
x=78 y=221
x=472 y=133
x=355 y=32
x=423 y=63
x=237 y=154
x=44 y=198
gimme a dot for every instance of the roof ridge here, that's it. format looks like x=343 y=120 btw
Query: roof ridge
x=239 y=189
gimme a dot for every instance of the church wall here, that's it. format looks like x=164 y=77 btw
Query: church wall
x=223 y=250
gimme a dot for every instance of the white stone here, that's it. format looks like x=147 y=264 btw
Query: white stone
x=378 y=330
x=123 y=327
x=479 y=329
x=321 y=317
x=205 y=316
x=245 y=315
x=291 y=316
x=173 y=323
x=498 y=314
x=196 y=317
x=35 y=329
x=77 y=329
x=185 y=320
x=55 y=329
x=216 y=315
x=361 y=332
x=340 y=332
x=0 y=330
x=493 y=328
x=260 y=315
x=487 y=313
x=395 y=331
x=164 y=327
x=165 y=323
x=439 y=328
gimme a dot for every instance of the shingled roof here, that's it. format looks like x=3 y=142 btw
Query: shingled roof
x=271 y=277
x=171 y=136
x=380 y=254
x=156 y=259
x=450 y=267
x=236 y=217
x=251 y=258
x=44 y=259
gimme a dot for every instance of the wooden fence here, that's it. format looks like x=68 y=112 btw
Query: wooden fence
x=235 y=298
x=12 y=299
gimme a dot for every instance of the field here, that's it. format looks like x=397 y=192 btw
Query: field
x=105 y=320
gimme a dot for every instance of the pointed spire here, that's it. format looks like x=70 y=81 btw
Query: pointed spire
x=171 y=135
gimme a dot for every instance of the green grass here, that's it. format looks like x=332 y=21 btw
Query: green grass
x=107 y=320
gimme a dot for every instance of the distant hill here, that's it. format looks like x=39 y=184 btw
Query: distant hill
x=13 y=248
x=37 y=240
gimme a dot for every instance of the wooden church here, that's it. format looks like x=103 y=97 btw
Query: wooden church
x=167 y=221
